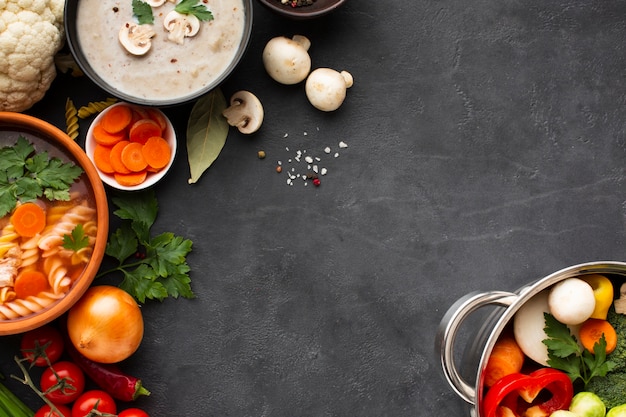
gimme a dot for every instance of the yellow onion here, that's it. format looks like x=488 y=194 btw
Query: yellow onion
x=106 y=324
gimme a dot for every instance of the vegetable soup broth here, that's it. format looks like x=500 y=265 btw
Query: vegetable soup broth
x=168 y=70
x=62 y=267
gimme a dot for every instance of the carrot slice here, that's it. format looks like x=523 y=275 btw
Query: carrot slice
x=157 y=152
x=102 y=158
x=591 y=332
x=506 y=358
x=116 y=158
x=139 y=113
x=105 y=138
x=158 y=117
x=132 y=157
x=116 y=118
x=28 y=219
x=30 y=282
x=132 y=179
x=144 y=129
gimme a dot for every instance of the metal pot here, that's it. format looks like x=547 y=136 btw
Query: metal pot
x=482 y=345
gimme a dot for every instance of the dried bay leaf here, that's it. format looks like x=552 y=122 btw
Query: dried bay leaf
x=207 y=130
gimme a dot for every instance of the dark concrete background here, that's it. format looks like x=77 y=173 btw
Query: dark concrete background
x=486 y=150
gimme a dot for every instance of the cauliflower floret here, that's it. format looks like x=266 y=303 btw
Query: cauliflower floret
x=31 y=33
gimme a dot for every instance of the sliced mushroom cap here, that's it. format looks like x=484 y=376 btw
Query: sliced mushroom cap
x=136 y=39
x=245 y=112
x=180 y=26
x=155 y=3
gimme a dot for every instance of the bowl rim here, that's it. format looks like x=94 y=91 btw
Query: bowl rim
x=152 y=178
x=302 y=12
x=52 y=133
x=69 y=15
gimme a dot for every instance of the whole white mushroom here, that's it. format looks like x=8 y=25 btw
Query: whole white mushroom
x=287 y=60
x=326 y=88
x=572 y=301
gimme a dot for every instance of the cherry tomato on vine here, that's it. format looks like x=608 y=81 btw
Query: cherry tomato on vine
x=71 y=379
x=88 y=400
x=43 y=340
x=46 y=412
x=133 y=412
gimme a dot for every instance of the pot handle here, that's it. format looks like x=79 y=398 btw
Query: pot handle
x=448 y=329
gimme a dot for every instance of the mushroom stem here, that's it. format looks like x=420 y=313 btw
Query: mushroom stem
x=234 y=116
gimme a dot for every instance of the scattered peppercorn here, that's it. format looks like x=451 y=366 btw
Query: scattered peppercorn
x=261 y=154
x=316 y=182
x=279 y=169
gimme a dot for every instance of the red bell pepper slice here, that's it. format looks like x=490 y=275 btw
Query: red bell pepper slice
x=517 y=394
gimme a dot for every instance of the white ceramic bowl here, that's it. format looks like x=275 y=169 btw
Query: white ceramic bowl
x=153 y=177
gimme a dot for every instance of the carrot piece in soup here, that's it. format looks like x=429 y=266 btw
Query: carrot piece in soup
x=116 y=158
x=30 y=282
x=143 y=130
x=102 y=158
x=132 y=179
x=105 y=138
x=133 y=158
x=591 y=332
x=506 y=358
x=28 y=219
x=157 y=152
x=116 y=118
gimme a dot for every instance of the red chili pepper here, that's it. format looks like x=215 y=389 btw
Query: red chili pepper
x=518 y=393
x=109 y=377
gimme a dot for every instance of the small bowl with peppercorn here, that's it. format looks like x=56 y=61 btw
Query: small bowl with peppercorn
x=157 y=52
x=302 y=9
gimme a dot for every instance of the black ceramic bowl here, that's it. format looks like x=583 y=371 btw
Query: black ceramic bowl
x=111 y=15
x=317 y=9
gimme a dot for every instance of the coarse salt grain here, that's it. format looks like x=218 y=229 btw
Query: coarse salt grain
x=343 y=145
x=324 y=171
x=308 y=159
x=327 y=149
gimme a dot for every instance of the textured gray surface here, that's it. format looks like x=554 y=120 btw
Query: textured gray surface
x=486 y=150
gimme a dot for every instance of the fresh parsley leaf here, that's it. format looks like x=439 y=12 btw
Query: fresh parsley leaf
x=143 y=12
x=194 y=8
x=77 y=240
x=565 y=354
x=153 y=267
x=26 y=175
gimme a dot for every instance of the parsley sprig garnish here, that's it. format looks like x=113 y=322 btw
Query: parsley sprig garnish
x=154 y=267
x=77 y=240
x=26 y=175
x=565 y=354
x=143 y=12
x=193 y=7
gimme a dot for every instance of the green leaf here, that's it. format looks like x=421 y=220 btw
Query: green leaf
x=141 y=209
x=122 y=243
x=143 y=12
x=77 y=240
x=560 y=341
x=141 y=283
x=199 y=10
x=159 y=272
x=26 y=175
x=207 y=131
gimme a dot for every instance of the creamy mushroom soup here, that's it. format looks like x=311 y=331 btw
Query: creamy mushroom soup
x=168 y=71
